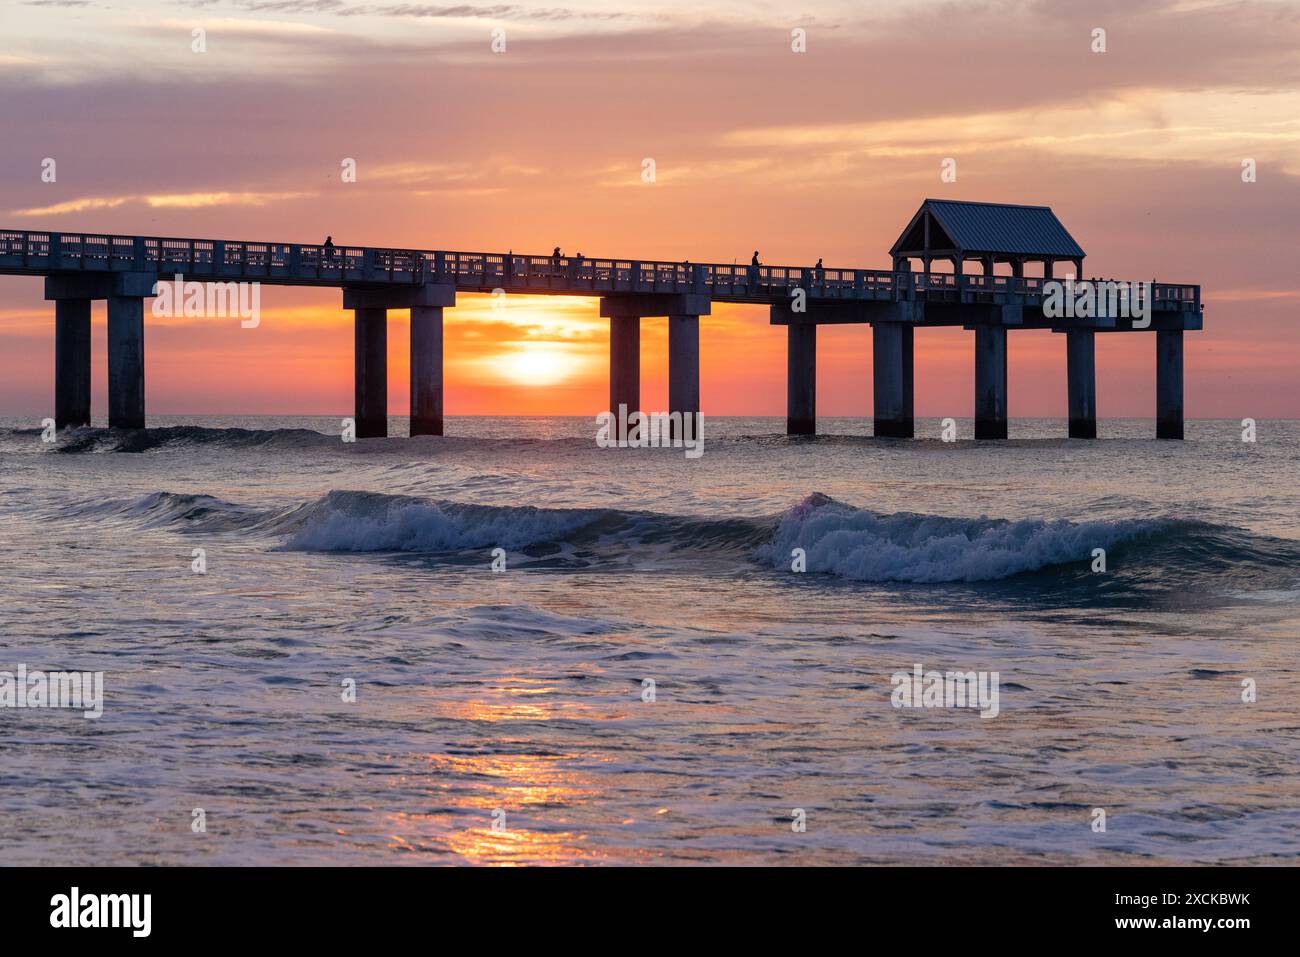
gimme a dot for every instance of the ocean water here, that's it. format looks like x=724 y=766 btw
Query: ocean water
x=502 y=717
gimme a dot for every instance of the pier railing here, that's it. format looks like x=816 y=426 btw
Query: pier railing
x=26 y=252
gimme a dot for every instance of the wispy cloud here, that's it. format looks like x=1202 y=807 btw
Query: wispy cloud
x=242 y=28
x=199 y=200
x=433 y=11
x=158 y=201
x=463 y=11
x=414 y=173
x=1141 y=125
x=81 y=205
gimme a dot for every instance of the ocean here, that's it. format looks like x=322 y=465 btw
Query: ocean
x=643 y=677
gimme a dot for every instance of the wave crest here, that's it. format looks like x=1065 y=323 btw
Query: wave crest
x=862 y=545
x=375 y=522
x=854 y=544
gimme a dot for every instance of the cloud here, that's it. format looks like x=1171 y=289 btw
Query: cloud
x=472 y=11
x=73 y=206
x=196 y=200
x=416 y=173
x=433 y=11
x=235 y=27
x=291 y=7
x=1148 y=125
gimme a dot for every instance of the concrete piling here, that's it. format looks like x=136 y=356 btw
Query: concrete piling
x=125 y=362
x=684 y=369
x=990 y=382
x=801 y=379
x=892 y=379
x=71 y=363
x=426 y=370
x=370 y=381
x=1169 y=383
x=1081 y=376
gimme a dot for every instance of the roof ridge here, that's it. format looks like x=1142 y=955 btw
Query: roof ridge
x=983 y=202
x=980 y=227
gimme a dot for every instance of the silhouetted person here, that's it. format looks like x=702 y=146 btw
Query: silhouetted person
x=753 y=268
x=819 y=271
x=556 y=256
x=329 y=248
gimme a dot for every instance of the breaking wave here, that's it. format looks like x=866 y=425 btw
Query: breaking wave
x=862 y=545
x=374 y=522
x=838 y=540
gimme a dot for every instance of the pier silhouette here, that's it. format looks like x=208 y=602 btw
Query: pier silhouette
x=123 y=270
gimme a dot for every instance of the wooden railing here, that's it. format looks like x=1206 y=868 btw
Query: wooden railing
x=46 y=252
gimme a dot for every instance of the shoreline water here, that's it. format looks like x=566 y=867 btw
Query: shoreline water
x=522 y=691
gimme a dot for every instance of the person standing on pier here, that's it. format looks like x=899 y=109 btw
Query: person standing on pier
x=753 y=269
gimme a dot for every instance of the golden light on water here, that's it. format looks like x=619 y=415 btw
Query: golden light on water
x=520 y=698
x=556 y=786
x=512 y=847
x=508 y=783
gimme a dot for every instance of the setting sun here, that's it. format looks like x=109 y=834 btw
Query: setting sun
x=538 y=364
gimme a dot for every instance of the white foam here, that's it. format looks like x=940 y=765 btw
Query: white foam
x=364 y=522
x=865 y=546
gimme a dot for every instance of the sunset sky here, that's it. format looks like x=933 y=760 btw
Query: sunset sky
x=1139 y=151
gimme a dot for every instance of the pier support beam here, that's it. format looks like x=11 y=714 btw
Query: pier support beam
x=625 y=312
x=684 y=370
x=370 y=391
x=125 y=362
x=426 y=370
x=625 y=363
x=125 y=293
x=1081 y=374
x=990 y=382
x=801 y=379
x=370 y=305
x=1169 y=384
x=892 y=362
x=71 y=363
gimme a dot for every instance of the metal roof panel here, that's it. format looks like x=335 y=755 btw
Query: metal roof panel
x=1002 y=228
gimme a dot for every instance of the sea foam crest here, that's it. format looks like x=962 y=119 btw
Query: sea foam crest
x=866 y=546
x=372 y=522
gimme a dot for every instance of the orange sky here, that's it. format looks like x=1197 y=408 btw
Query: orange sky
x=820 y=154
